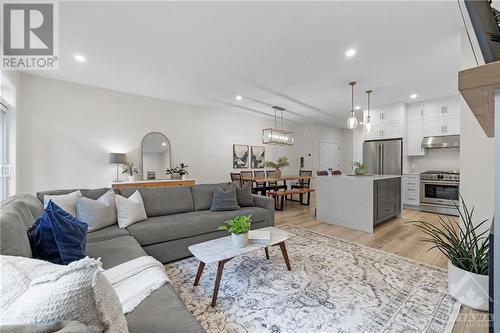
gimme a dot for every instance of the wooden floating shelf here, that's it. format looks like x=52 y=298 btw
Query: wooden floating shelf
x=477 y=86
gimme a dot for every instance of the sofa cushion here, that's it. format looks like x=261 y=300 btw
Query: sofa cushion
x=244 y=195
x=115 y=251
x=160 y=201
x=57 y=236
x=225 y=199
x=67 y=202
x=163 y=311
x=98 y=213
x=169 y=227
x=203 y=194
x=112 y=231
x=87 y=193
x=15 y=219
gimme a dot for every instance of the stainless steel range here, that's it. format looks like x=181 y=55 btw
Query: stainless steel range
x=439 y=190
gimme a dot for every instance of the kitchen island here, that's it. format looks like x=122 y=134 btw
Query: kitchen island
x=358 y=202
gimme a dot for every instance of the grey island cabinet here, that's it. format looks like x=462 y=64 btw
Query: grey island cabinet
x=358 y=202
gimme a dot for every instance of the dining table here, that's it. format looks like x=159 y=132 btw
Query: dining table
x=266 y=180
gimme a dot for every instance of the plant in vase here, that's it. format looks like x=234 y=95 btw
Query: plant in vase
x=360 y=168
x=130 y=170
x=238 y=227
x=466 y=247
x=280 y=164
x=179 y=172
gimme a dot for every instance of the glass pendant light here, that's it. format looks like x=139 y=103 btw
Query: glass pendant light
x=368 y=122
x=352 y=121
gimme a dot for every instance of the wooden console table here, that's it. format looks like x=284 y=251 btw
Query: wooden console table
x=153 y=183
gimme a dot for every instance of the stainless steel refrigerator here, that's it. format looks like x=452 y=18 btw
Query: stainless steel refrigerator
x=384 y=157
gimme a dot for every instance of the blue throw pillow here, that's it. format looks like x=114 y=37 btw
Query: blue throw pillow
x=58 y=236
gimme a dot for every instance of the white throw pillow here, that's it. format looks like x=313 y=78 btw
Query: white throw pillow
x=98 y=213
x=66 y=201
x=130 y=210
x=39 y=292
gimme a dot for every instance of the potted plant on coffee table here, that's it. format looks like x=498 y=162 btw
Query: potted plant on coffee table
x=466 y=247
x=130 y=170
x=280 y=164
x=238 y=227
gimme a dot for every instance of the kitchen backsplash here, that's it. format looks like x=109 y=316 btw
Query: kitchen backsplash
x=436 y=159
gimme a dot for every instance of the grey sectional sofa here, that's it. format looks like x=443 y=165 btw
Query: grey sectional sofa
x=177 y=217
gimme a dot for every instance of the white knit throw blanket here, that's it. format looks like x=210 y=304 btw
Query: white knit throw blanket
x=136 y=279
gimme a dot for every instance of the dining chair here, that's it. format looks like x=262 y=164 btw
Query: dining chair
x=259 y=174
x=273 y=184
x=336 y=172
x=322 y=173
x=302 y=183
x=236 y=178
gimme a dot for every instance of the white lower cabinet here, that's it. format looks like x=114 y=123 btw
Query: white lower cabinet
x=411 y=189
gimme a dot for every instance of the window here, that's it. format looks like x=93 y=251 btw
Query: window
x=4 y=147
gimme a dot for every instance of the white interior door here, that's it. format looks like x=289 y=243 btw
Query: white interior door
x=329 y=155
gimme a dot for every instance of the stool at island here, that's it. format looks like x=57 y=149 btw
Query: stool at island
x=153 y=183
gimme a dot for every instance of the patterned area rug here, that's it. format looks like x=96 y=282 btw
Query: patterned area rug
x=334 y=286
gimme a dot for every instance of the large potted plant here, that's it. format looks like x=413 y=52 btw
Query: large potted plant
x=130 y=170
x=280 y=164
x=179 y=172
x=466 y=247
x=238 y=227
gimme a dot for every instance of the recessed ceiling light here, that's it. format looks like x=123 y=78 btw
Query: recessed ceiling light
x=79 y=58
x=361 y=123
x=239 y=98
x=163 y=143
x=350 y=53
x=413 y=96
x=357 y=107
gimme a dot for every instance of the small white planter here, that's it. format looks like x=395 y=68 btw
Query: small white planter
x=132 y=178
x=240 y=241
x=468 y=288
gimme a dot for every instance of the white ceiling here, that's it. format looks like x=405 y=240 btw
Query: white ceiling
x=286 y=53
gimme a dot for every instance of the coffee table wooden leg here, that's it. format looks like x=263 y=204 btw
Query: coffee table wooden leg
x=220 y=269
x=198 y=274
x=285 y=255
x=267 y=253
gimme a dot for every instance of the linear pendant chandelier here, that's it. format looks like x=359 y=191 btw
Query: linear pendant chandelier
x=275 y=135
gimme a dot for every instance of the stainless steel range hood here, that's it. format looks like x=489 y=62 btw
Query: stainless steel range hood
x=447 y=141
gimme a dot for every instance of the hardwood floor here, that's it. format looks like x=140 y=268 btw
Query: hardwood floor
x=392 y=236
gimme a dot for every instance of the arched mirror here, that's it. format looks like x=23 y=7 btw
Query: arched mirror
x=155 y=156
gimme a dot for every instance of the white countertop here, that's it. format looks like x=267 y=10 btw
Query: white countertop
x=150 y=181
x=366 y=178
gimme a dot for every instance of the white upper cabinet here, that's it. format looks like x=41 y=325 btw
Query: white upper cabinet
x=387 y=123
x=442 y=117
x=415 y=130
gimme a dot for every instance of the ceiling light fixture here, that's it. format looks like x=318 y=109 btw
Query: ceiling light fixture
x=275 y=135
x=238 y=97
x=357 y=107
x=368 y=122
x=350 y=53
x=352 y=121
x=79 y=58
x=413 y=96
x=163 y=143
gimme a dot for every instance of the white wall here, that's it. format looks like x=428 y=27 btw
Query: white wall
x=435 y=159
x=68 y=130
x=477 y=156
